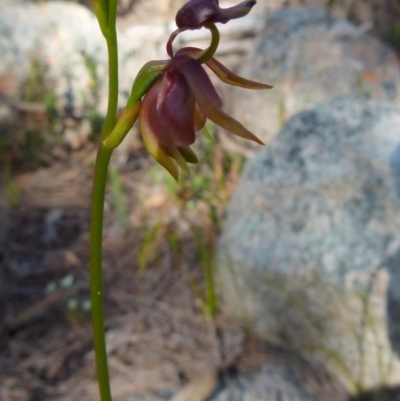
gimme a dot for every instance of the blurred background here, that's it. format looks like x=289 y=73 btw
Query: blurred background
x=164 y=323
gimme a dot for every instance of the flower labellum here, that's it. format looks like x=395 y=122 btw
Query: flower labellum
x=196 y=13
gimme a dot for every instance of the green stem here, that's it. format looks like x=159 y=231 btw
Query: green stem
x=112 y=135
x=112 y=83
x=96 y=228
x=96 y=284
x=206 y=54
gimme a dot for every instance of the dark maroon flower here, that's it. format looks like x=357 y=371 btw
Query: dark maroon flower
x=182 y=96
x=178 y=104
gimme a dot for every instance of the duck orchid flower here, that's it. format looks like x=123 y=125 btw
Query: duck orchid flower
x=178 y=104
x=178 y=95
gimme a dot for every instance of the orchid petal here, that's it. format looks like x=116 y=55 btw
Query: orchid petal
x=151 y=130
x=177 y=110
x=189 y=155
x=151 y=100
x=223 y=73
x=230 y=78
x=199 y=118
x=200 y=122
x=157 y=151
x=235 y=127
x=208 y=99
x=198 y=79
x=166 y=139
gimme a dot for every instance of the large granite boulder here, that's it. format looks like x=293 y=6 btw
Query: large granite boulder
x=311 y=57
x=309 y=254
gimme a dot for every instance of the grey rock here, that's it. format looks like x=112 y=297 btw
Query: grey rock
x=310 y=57
x=60 y=37
x=308 y=254
x=64 y=40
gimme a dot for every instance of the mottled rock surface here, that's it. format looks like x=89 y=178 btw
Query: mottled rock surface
x=64 y=40
x=59 y=37
x=310 y=57
x=308 y=257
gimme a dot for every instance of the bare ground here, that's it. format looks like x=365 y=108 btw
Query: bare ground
x=158 y=335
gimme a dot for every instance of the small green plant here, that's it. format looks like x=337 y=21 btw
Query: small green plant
x=35 y=88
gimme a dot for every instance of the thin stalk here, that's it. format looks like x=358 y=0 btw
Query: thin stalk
x=96 y=228
x=206 y=54
x=96 y=281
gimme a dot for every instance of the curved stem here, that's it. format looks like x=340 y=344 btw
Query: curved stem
x=96 y=284
x=125 y=122
x=206 y=54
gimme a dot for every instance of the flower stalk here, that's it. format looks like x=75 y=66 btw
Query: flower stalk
x=106 y=11
x=173 y=99
x=96 y=280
